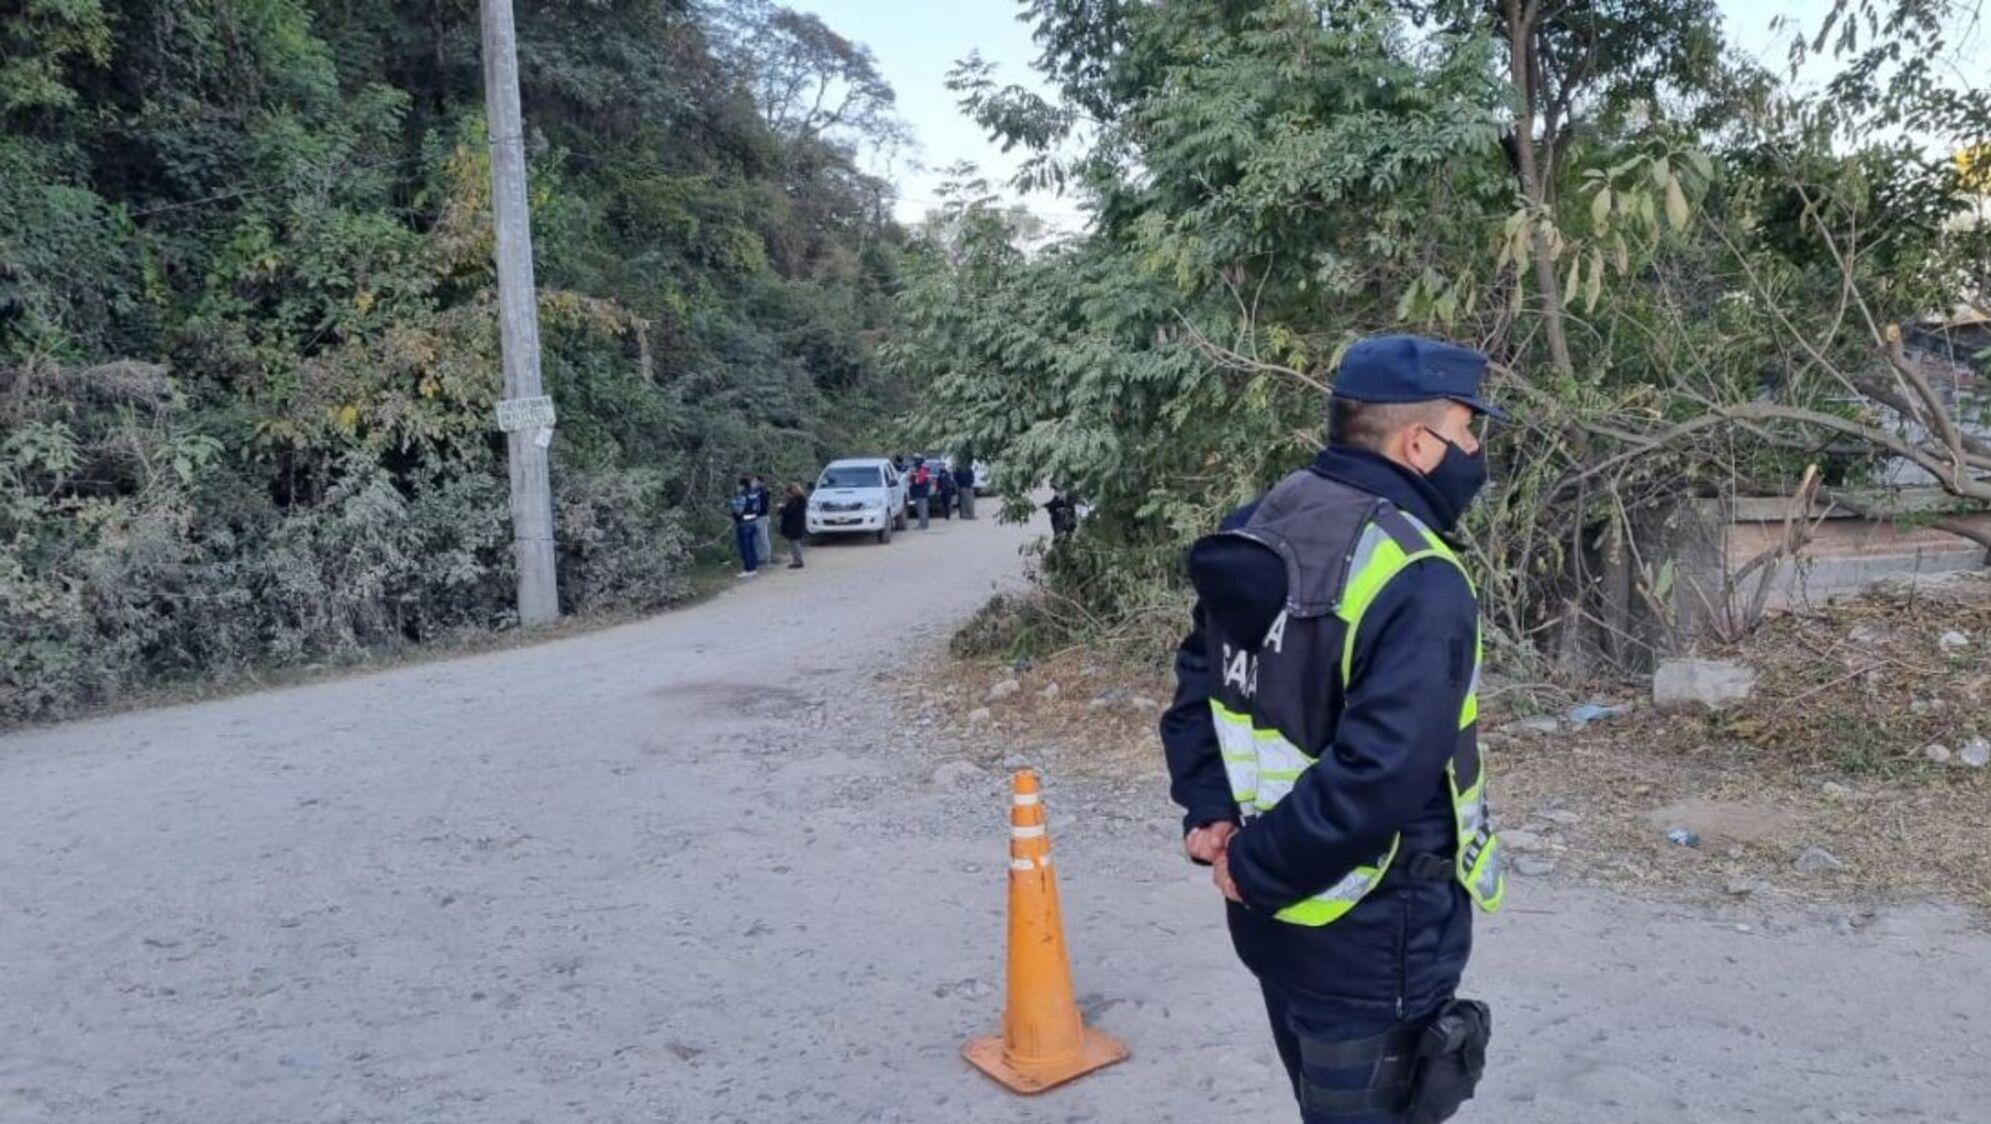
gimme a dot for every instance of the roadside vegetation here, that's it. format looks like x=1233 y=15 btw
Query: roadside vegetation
x=1697 y=277
x=248 y=346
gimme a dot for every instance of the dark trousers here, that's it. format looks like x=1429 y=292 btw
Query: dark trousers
x=747 y=538
x=1298 y=1014
x=1396 y=958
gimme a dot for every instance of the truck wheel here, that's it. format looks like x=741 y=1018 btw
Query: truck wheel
x=885 y=534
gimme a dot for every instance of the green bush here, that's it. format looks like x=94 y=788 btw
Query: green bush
x=248 y=334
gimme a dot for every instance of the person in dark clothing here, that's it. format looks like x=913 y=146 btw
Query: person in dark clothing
x=763 y=532
x=745 y=509
x=919 y=489
x=1333 y=783
x=944 y=491
x=1063 y=510
x=795 y=523
x=964 y=485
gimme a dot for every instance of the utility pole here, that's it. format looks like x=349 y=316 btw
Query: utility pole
x=526 y=415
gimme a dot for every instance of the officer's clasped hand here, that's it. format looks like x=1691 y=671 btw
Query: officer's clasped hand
x=1220 y=873
x=1206 y=844
x=1210 y=846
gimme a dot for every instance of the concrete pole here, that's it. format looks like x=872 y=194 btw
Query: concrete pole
x=518 y=315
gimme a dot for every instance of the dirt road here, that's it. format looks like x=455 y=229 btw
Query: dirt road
x=694 y=869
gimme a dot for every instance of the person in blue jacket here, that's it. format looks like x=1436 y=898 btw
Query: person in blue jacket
x=745 y=508
x=1322 y=742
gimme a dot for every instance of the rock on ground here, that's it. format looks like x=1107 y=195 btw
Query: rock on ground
x=1520 y=839
x=1686 y=685
x=1975 y=753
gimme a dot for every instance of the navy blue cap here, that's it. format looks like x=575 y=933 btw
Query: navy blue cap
x=1413 y=369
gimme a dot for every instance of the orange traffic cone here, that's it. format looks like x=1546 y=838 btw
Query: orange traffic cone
x=1043 y=1041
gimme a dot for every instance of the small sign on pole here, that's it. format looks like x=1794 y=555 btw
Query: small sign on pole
x=525 y=413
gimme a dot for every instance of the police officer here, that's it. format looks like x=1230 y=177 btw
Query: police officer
x=1322 y=741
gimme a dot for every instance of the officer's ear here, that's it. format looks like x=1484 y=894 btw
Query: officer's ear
x=1414 y=446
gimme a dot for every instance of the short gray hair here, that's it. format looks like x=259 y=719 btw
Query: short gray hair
x=1367 y=425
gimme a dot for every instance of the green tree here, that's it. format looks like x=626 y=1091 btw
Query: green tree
x=1691 y=278
x=247 y=340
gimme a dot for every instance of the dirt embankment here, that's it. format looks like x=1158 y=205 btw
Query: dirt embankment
x=1853 y=774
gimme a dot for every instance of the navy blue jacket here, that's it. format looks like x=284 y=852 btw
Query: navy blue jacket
x=1382 y=774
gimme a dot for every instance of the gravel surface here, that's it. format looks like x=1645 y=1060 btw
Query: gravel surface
x=696 y=869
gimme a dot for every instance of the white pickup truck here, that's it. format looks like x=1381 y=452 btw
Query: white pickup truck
x=861 y=495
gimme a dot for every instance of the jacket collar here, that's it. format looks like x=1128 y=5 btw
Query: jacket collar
x=1380 y=476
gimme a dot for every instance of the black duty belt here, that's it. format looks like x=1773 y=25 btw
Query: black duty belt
x=1425 y=866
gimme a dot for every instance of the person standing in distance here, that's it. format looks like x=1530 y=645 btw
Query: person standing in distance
x=964 y=483
x=763 y=537
x=795 y=521
x=919 y=487
x=1062 y=507
x=1323 y=742
x=944 y=490
x=745 y=510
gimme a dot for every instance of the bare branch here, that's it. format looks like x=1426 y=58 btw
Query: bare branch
x=1225 y=357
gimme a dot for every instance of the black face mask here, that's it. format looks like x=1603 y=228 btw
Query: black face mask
x=1457 y=478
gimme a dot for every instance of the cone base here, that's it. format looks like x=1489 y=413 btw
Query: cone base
x=1096 y=1051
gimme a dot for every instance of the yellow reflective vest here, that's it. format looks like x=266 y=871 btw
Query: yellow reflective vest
x=1341 y=547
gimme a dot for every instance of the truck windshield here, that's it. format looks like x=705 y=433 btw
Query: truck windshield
x=851 y=476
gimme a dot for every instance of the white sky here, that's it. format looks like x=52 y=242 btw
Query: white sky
x=917 y=41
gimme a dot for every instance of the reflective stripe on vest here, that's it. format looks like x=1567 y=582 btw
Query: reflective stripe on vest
x=1263 y=765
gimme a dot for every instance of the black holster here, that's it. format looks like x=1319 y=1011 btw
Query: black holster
x=1451 y=1058
x=1423 y=1068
